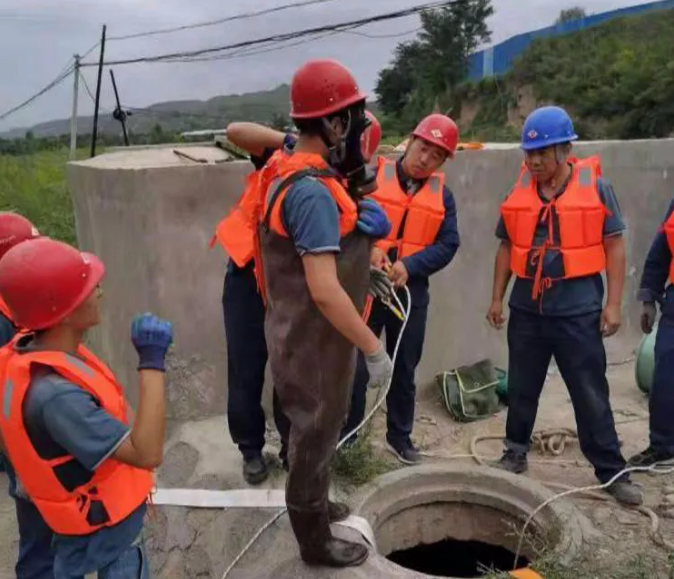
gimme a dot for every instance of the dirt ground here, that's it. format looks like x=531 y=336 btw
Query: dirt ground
x=625 y=534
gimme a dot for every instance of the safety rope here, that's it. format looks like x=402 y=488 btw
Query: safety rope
x=380 y=400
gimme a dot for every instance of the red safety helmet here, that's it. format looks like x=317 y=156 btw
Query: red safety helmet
x=43 y=281
x=322 y=87
x=371 y=137
x=14 y=228
x=440 y=131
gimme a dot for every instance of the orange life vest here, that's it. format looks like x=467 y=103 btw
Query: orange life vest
x=669 y=232
x=580 y=213
x=415 y=219
x=4 y=310
x=236 y=232
x=118 y=487
x=283 y=167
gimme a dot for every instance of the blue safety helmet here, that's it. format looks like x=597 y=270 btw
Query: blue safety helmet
x=547 y=126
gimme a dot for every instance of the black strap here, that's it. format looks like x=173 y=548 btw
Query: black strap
x=288 y=181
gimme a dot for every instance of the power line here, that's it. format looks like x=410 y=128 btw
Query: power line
x=278 y=38
x=273 y=48
x=53 y=84
x=242 y=16
x=86 y=87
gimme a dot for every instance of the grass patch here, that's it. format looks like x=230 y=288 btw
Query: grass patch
x=637 y=567
x=358 y=464
x=35 y=186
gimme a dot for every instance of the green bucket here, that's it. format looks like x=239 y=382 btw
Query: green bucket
x=645 y=366
x=502 y=388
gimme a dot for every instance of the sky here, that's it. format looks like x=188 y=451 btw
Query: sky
x=40 y=38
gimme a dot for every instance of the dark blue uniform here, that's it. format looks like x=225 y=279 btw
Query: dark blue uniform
x=420 y=266
x=563 y=322
x=36 y=559
x=652 y=289
x=244 y=313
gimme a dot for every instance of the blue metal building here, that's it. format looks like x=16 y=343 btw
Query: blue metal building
x=498 y=59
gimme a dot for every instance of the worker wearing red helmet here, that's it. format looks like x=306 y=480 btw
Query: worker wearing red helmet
x=65 y=424
x=242 y=302
x=423 y=240
x=35 y=558
x=316 y=275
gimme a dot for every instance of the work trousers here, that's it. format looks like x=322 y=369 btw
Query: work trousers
x=244 y=313
x=131 y=564
x=36 y=559
x=577 y=345
x=401 y=398
x=661 y=402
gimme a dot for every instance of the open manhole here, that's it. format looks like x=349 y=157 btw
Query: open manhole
x=453 y=521
x=452 y=558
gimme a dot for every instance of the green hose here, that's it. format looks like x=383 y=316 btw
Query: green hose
x=645 y=366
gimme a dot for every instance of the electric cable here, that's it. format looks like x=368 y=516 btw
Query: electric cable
x=283 y=36
x=52 y=85
x=243 y=16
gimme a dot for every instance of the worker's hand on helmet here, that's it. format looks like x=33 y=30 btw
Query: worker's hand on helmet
x=151 y=337
x=495 y=315
x=398 y=274
x=381 y=286
x=380 y=368
x=611 y=319
x=372 y=219
x=648 y=315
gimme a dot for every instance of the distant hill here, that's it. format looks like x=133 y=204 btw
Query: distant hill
x=269 y=107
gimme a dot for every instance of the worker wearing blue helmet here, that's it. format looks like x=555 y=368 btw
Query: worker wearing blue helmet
x=560 y=229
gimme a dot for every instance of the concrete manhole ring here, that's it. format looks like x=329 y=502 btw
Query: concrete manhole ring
x=429 y=504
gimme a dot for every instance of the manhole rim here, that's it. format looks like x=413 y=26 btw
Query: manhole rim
x=427 y=480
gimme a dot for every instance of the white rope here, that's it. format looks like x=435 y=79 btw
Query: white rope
x=380 y=400
x=653 y=469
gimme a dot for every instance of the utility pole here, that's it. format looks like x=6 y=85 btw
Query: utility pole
x=94 y=133
x=119 y=114
x=73 y=120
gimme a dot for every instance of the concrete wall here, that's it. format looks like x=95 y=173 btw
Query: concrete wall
x=150 y=216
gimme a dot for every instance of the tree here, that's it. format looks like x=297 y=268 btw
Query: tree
x=570 y=14
x=433 y=65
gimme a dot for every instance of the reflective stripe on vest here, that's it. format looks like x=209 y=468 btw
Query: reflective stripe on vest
x=415 y=218
x=668 y=229
x=115 y=489
x=580 y=214
x=236 y=233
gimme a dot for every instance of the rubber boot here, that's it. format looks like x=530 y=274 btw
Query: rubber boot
x=318 y=548
x=338 y=512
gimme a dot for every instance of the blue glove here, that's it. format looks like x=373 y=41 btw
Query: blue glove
x=372 y=219
x=151 y=338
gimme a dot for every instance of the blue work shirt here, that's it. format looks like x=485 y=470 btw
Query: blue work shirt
x=435 y=257
x=63 y=419
x=259 y=162
x=656 y=272
x=566 y=297
x=310 y=216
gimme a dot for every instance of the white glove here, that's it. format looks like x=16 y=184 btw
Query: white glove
x=380 y=368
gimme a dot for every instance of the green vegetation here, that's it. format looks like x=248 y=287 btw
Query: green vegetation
x=358 y=464
x=35 y=186
x=426 y=72
x=617 y=78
